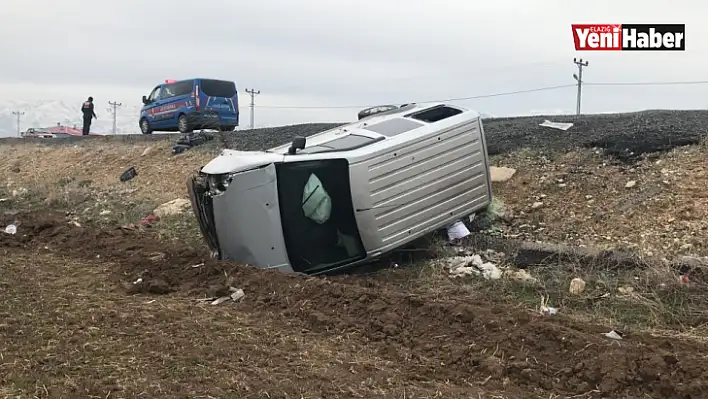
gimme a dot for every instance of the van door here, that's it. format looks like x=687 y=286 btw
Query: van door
x=175 y=100
x=150 y=109
x=217 y=98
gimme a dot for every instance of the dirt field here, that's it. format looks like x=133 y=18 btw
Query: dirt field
x=78 y=322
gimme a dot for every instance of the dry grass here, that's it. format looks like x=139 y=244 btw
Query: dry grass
x=44 y=168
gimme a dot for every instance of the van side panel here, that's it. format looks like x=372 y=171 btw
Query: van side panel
x=423 y=186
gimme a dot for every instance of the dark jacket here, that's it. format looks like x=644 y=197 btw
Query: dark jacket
x=87 y=109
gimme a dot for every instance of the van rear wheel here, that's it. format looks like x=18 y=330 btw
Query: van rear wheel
x=183 y=124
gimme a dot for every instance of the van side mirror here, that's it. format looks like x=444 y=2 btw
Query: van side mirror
x=297 y=144
x=145 y=100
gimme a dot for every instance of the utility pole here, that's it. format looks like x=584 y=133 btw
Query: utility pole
x=115 y=106
x=579 y=79
x=19 y=115
x=253 y=93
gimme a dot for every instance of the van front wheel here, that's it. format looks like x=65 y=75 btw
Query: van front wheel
x=183 y=124
x=145 y=126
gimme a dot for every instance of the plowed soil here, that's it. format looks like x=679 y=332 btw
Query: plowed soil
x=70 y=328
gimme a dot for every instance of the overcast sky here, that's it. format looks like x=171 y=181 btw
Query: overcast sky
x=343 y=52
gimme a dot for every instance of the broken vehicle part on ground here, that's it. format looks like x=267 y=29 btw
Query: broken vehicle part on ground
x=347 y=195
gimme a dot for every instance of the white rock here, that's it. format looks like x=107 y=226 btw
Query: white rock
x=577 y=286
x=501 y=173
x=174 y=207
x=630 y=184
x=537 y=205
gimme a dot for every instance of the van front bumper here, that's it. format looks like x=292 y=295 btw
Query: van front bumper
x=202 y=205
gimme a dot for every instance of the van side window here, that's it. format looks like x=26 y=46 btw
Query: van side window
x=178 y=89
x=434 y=114
x=394 y=127
x=345 y=143
x=155 y=95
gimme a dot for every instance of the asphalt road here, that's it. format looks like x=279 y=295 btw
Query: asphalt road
x=625 y=136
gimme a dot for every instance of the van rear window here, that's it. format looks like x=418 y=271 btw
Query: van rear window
x=218 y=88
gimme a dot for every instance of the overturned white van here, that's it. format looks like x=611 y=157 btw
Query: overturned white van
x=347 y=195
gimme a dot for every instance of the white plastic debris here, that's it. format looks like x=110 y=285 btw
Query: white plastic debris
x=613 y=335
x=221 y=300
x=138 y=281
x=237 y=295
x=11 y=229
x=457 y=230
x=556 y=125
x=545 y=309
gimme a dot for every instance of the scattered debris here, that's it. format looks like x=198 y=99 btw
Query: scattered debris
x=521 y=276
x=11 y=229
x=472 y=265
x=147 y=221
x=577 y=286
x=157 y=256
x=626 y=290
x=171 y=208
x=457 y=231
x=556 y=125
x=614 y=334
x=236 y=295
x=545 y=309
x=20 y=192
x=179 y=148
x=501 y=173
x=190 y=140
x=129 y=174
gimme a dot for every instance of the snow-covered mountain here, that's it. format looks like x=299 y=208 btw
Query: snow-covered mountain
x=44 y=114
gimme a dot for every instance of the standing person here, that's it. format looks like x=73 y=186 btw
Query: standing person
x=87 y=109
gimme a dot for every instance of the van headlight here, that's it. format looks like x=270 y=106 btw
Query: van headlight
x=219 y=183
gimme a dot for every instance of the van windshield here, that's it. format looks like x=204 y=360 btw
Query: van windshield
x=218 y=88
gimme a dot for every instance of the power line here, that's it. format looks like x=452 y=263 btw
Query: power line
x=693 y=82
x=429 y=101
x=115 y=106
x=19 y=115
x=579 y=78
x=510 y=93
x=253 y=93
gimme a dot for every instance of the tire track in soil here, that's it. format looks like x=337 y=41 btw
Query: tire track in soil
x=436 y=338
